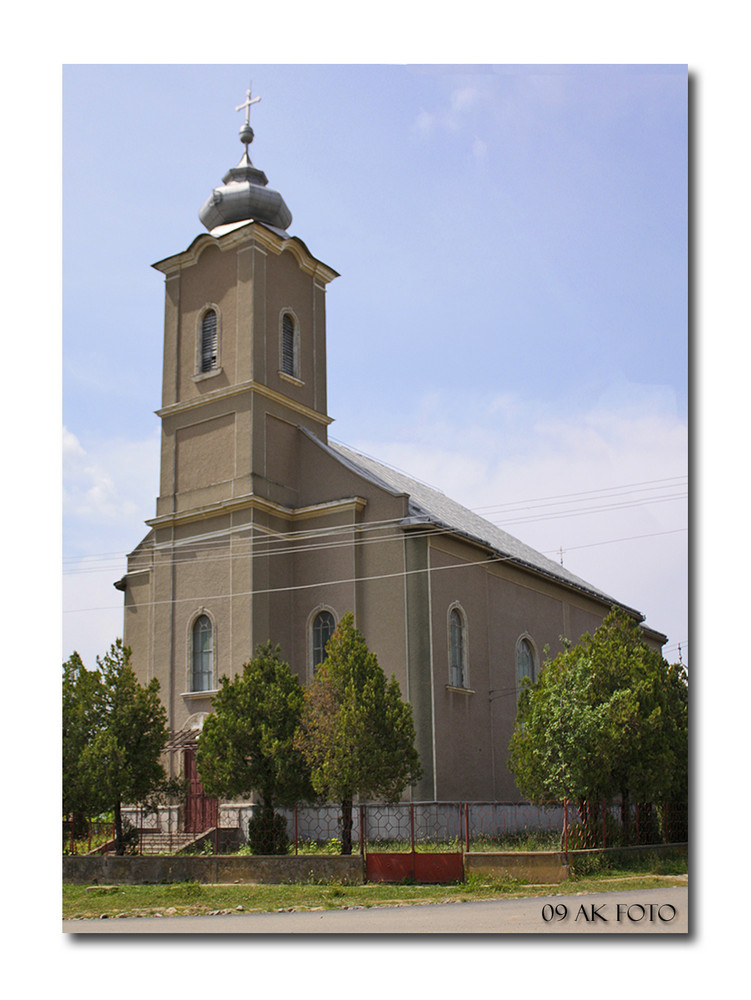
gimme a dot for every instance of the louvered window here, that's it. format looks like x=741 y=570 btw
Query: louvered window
x=203 y=654
x=208 y=341
x=323 y=629
x=288 y=345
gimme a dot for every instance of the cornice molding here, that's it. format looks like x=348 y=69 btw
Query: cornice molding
x=255 y=502
x=246 y=237
x=236 y=390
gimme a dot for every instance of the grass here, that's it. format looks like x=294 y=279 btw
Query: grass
x=620 y=864
x=192 y=898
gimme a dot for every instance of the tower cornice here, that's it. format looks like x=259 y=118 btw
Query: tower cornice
x=235 y=390
x=256 y=502
x=248 y=234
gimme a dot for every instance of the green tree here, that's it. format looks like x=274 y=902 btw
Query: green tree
x=83 y=709
x=120 y=762
x=606 y=717
x=357 y=734
x=247 y=744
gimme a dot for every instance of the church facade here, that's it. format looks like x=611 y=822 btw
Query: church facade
x=264 y=530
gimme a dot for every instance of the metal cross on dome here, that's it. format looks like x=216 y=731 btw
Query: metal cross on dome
x=246 y=104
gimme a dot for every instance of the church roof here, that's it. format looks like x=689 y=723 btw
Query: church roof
x=429 y=506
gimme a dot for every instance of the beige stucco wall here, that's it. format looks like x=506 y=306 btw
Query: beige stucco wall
x=501 y=603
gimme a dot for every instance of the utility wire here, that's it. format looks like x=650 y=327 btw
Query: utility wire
x=351 y=580
x=282 y=540
x=511 y=505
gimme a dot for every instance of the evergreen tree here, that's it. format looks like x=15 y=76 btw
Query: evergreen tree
x=119 y=762
x=83 y=711
x=357 y=734
x=247 y=744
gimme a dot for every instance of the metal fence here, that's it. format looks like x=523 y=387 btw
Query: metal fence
x=87 y=837
x=428 y=827
x=602 y=824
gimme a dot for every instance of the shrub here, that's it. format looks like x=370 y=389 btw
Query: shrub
x=268 y=835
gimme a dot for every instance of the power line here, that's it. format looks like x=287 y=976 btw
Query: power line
x=282 y=540
x=592 y=510
x=211 y=555
x=302 y=586
x=353 y=580
x=625 y=488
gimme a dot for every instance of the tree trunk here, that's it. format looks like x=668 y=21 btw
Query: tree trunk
x=119 y=841
x=625 y=816
x=347 y=826
x=267 y=826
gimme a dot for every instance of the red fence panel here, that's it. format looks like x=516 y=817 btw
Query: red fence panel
x=388 y=866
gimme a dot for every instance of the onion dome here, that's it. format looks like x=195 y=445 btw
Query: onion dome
x=244 y=194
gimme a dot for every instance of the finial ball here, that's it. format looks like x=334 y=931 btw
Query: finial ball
x=246 y=134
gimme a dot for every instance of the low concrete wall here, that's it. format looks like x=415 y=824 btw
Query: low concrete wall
x=551 y=866
x=532 y=866
x=210 y=869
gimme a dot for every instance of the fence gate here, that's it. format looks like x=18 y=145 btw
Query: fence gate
x=425 y=865
x=201 y=812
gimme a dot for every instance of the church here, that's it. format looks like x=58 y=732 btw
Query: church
x=266 y=530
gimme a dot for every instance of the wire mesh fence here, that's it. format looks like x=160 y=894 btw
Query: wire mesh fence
x=372 y=827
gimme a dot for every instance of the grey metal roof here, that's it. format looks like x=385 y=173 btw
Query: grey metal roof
x=428 y=503
x=244 y=194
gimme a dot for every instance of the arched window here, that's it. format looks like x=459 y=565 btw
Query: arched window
x=525 y=661
x=288 y=365
x=457 y=649
x=209 y=340
x=203 y=654
x=323 y=629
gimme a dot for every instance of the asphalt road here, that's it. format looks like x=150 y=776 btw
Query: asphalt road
x=648 y=911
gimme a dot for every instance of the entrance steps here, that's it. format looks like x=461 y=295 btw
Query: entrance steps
x=152 y=842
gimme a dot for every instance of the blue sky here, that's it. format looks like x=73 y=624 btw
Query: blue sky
x=510 y=323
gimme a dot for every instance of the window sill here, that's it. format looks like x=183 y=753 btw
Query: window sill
x=201 y=376
x=459 y=690
x=290 y=378
x=193 y=695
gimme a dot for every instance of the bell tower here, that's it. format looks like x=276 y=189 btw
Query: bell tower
x=244 y=383
x=244 y=349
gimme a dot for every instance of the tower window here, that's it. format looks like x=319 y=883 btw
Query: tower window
x=203 y=654
x=288 y=346
x=323 y=628
x=209 y=341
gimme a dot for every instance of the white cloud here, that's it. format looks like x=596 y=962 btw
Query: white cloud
x=108 y=491
x=425 y=121
x=479 y=149
x=461 y=101
x=464 y=99
x=92 y=609
x=116 y=482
